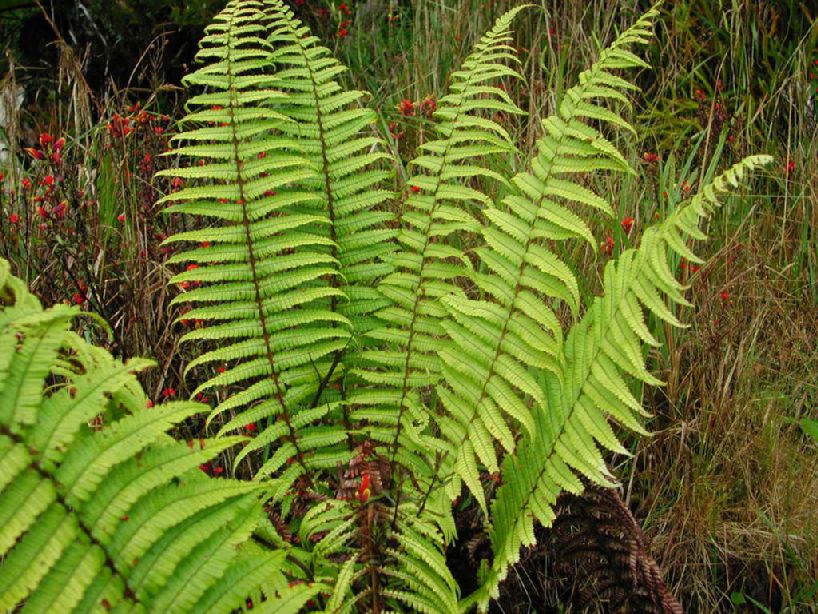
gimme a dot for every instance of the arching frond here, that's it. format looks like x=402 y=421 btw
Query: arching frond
x=512 y=334
x=602 y=351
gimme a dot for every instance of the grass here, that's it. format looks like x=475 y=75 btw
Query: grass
x=726 y=487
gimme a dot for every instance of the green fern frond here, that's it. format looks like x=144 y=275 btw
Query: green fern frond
x=418 y=575
x=440 y=205
x=269 y=276
x=512 y=333
x=99 y=508
x=400 y=363
x=335 y=133
x=599 y=355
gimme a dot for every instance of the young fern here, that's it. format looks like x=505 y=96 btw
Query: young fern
x=100 y=509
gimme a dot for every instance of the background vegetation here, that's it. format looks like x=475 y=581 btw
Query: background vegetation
x=727 y=487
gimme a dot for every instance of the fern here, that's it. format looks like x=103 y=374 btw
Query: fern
x=441 y=205
x=334 y=131
x=391 y=409
x=270 y=273
x=388 y=367
x=100 y=509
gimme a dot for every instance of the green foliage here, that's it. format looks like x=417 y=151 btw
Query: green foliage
x=100 y=508
x=389 y=359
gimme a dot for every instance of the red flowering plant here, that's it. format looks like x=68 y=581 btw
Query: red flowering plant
x=78 y=223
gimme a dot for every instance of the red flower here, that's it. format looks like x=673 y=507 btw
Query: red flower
x=35 y=153
x=149 y=404
x=406 y=107
x=342 y=32
x=60 y=209
x=26 y=183
x=14 y=218
x=627 y=224
x=429 y=105
x=78 y=298
x=415 y=189
x=121 y=218
x=218 y=470
x=607 y=246
x=725 y=296
x=394 y=131
x=168 y=392
x=650 y=157
x=48 y=180
x=789 y=167
x=59 y=144
x=42 y=212
x=364 y=491
x=45 y=139
x=251 y=428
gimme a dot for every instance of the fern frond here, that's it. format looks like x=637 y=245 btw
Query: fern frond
x=601 y=351
x=418 y=575
x=512 y=332
x=270 y=274
x=100 y=509
x=440 y=205
x=335 y=134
